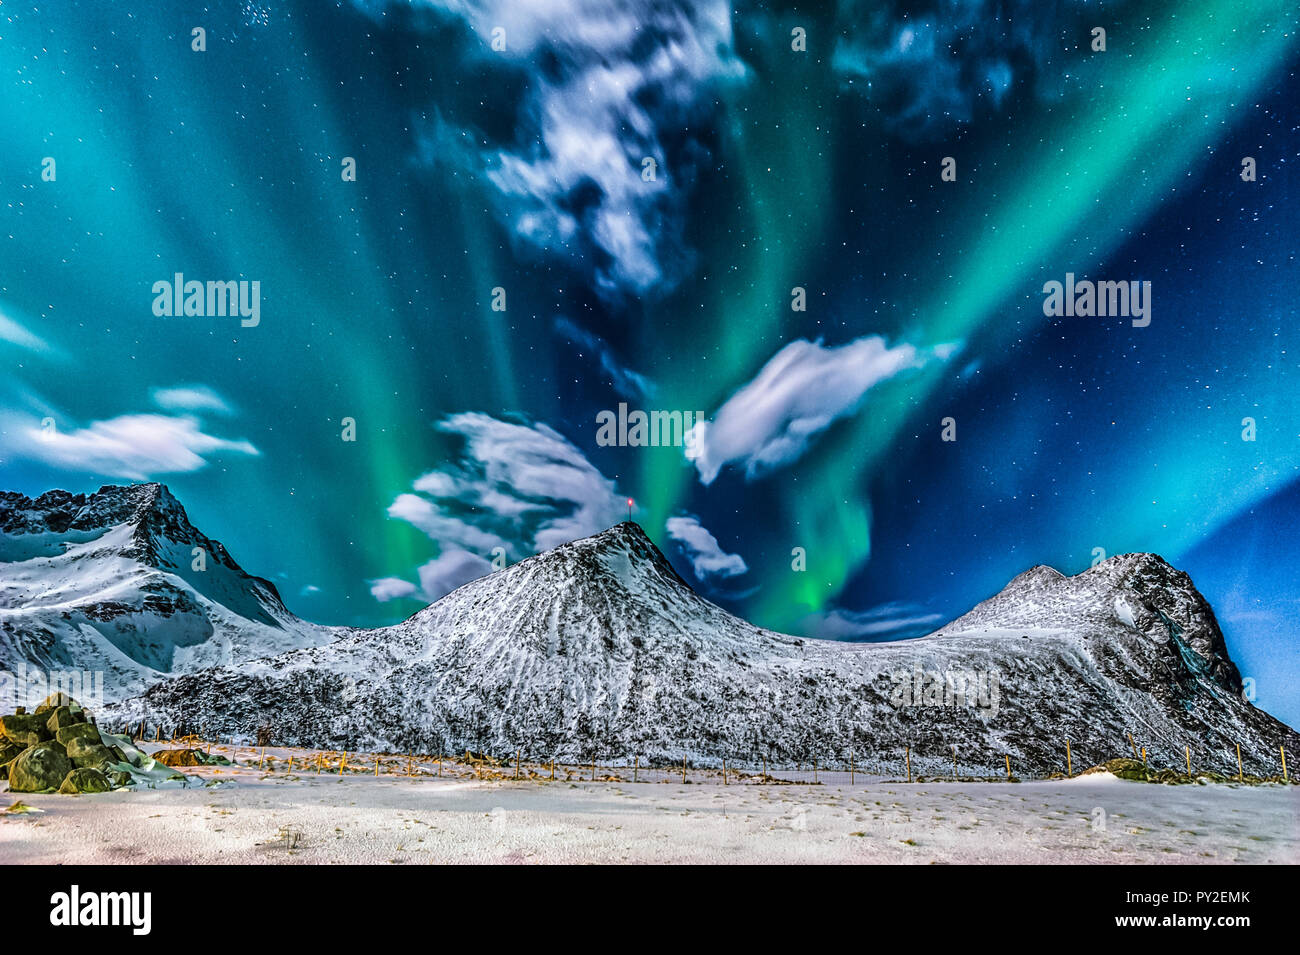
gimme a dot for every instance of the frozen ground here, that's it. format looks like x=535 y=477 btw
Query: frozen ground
x=242 y=815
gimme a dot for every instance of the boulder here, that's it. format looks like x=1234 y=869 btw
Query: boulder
x=179 y=757
x=63 y=716
x=77 y=731
x=25 y=729
x=84 y=753
x=37 y=769
x=85 y=780
x=119 y=778
x=55 y=700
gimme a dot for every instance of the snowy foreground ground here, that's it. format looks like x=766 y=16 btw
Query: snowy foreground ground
x=247 y=814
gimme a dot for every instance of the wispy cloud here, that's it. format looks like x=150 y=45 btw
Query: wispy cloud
x=929 y=71
x=523 y=488
x=16 y=334
x=609 y=85
x=708 y=559
x=624 y=380
x=194 y=398
x=891 y=621
x=133 y=446
x=805 y=387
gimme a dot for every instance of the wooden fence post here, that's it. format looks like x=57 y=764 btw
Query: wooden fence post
x=724 y=770
x=1187 y=751
x=1282 y=750
x=318 y=757
x=1069 y=763
x=1007 y=757
x=376 y=767
x=1144 y=757
x=262 y=764
x=343 y=762
x=636 y=768
x=954 y=764
x=907 y=755
x=851 y=768
x=683 y=769
x=516 y=764
x=1134 y=745
x=1239 y=762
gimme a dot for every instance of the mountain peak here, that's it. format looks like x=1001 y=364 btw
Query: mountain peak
x=1134 y=592
x=628 y=540
x=119 y=580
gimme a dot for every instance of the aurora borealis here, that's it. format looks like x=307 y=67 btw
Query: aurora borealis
x=521 y=169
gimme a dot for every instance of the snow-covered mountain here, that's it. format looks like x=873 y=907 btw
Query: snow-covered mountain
x=119 y=581
x=599 y=648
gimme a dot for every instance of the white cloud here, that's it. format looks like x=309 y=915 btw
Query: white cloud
x=133 y=446
x=449 y=570
x=703 y=551
x=891 y=621
x=521 y=487
x=610 y=84
x=194 y=398
x=798 y=394
x=390 y=588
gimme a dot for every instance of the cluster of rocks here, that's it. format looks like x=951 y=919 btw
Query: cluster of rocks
x=59 y=748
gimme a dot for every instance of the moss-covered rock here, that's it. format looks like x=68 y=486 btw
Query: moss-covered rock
x=64 y=716
x=85 y=753
x=85 y=780
x=179 y=757
x=25 y=729
x=37 y=769
x=77 y=731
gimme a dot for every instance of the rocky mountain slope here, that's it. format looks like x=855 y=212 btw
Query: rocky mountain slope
x=121 y=582
x=598 y=648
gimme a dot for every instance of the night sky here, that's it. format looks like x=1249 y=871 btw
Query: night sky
x=521 y=169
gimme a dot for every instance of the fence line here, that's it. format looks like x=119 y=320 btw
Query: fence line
x=759 y=769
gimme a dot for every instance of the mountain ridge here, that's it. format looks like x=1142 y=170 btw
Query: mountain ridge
x=121 y=582
x=600 y=648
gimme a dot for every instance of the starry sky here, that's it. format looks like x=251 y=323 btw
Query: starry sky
x=503 y=146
